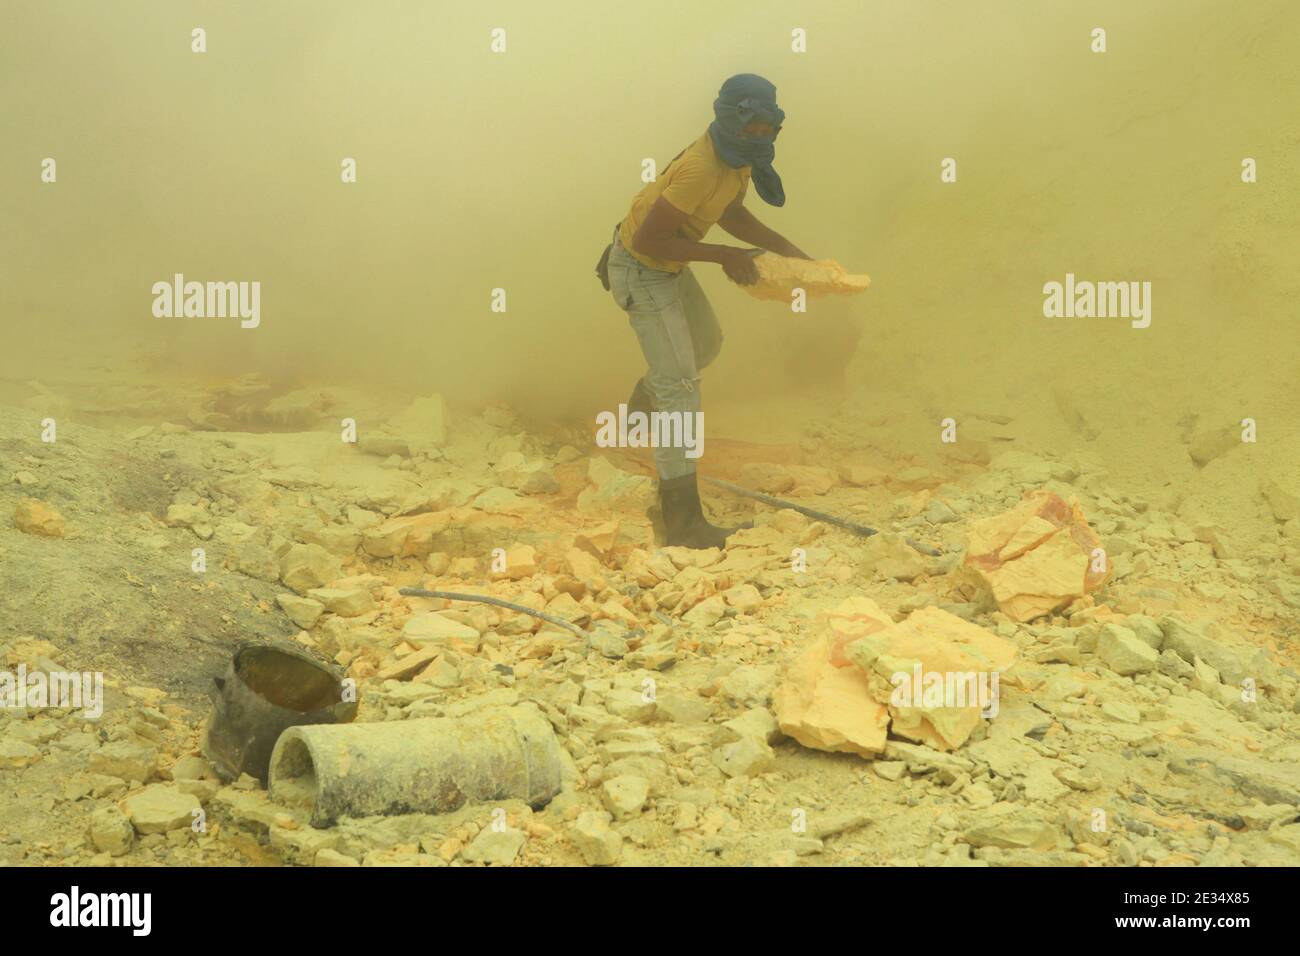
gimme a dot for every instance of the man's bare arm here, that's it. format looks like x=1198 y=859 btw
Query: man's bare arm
x=658 y=239
x=742 y=224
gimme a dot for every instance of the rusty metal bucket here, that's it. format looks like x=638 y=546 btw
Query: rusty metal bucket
x=268 y=688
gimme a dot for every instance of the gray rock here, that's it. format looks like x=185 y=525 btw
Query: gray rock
x=939 y=512
x=304 y=612
x=607 y=642
x=125 y=759
x=300 y=845
x=630 y=704
x=889 y=769
x=17 y=754
x=432 y=627
x=757 y=722
x=1082 y=779
x=682 y=709
x=1121 y=712
x=750 y=685
x=495 y=847
x=888 y=555
x=159 y=808
x=917 y=758
x=744 y=758
x=1171 y=665
x=1146 y=629
x=596 y=840
x=1190 y=642
x=1270 y=781
x=624 y=795
x=111 y=831
x=1123 y=652
x=307 y=566
x=1011 y=828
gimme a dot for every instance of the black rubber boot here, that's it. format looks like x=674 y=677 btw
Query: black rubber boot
x=640 y=400
x=684 y=522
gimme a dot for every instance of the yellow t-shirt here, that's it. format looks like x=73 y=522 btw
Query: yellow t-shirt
x=699 y=184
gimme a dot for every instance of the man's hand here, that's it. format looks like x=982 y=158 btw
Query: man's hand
x=739 y=266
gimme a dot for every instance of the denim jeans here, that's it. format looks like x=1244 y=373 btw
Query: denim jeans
x=679 y=335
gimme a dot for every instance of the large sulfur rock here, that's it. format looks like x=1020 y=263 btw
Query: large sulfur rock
x=824 y=701
x=939 y=674
x=779 y=276
x=850 y=620
x=830 y=708
x=1037 y=557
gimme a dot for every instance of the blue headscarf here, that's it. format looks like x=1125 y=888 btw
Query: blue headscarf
x=744 y=99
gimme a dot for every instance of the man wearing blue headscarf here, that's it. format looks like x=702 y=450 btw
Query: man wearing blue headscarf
x=649 y=277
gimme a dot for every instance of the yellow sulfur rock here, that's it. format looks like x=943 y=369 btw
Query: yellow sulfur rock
x=940 y=675
x=36 y=517
x=824 y=701
x=930 y=678
x=829 y=708
x=779 y=276
x=1038 y=557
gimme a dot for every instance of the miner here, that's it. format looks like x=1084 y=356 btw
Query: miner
x=647 y=270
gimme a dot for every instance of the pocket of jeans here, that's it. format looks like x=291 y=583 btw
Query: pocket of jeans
x=618 y=286
x=653 y=290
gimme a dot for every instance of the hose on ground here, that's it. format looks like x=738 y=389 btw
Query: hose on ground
x=497 y=602
x=858 y=529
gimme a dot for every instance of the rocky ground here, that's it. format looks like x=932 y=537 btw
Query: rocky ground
x=1149 y=721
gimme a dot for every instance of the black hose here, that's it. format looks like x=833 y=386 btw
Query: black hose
x=496 y=602
x=858 y=529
